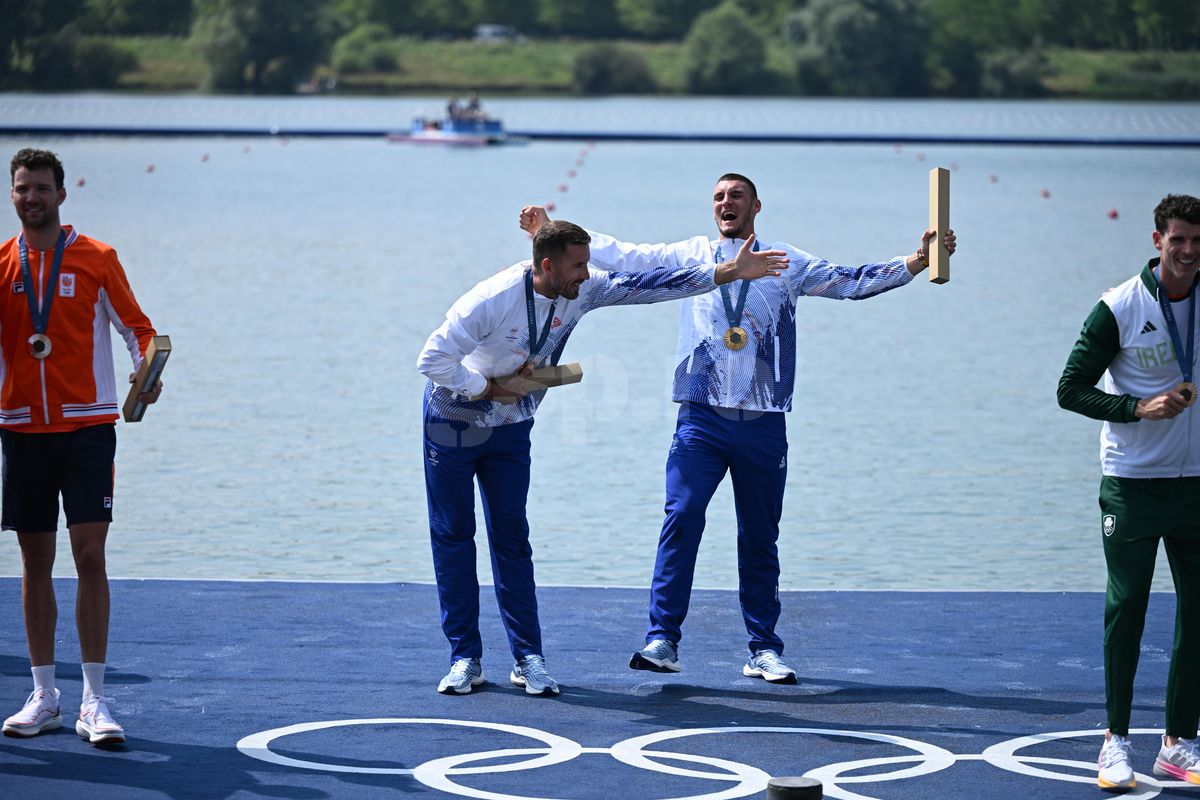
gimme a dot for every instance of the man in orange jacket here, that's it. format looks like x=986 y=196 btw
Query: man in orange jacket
x=59 y=293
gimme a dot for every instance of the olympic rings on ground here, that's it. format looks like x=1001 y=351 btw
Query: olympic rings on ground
x=258 y=745
x=745 y=780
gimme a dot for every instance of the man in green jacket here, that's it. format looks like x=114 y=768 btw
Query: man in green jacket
x=1141 y=339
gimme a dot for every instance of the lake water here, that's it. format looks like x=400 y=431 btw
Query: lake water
x=299 y=278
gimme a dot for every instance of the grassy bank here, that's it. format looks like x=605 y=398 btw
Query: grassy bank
x=545 y=66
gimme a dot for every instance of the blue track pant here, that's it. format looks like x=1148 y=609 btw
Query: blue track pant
x=455 y=455
x=752 y=446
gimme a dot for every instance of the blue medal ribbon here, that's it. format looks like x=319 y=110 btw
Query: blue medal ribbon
x=41 y=318
x=536 y=342
x=1185 y=357
x=734 y=313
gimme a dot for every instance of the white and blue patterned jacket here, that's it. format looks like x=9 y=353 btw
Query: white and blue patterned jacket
x=486 y=333
x=762 y=375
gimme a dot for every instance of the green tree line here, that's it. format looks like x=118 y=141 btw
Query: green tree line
x=842 y=47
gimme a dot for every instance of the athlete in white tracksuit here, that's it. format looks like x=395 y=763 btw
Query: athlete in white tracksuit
x=731 y=393
x=477 y=428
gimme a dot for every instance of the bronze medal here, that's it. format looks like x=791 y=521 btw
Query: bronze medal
x=736 y=338
x=39 y=345
x=1188 y=390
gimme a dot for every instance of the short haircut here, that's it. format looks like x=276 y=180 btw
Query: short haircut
x=32 y=159
x=733 y=176
x=553 y=238
x=1176 y=206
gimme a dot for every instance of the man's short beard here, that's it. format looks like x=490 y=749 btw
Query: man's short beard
x=47 y=221
x=737 y=233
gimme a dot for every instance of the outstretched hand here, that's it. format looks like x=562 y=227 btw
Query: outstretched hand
x=949 y=240
x=750 y=265
x=532 y=218
x=920 y=259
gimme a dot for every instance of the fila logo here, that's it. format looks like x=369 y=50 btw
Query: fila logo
x=1148 y=327
x=66 y=284
x=108 y=502
x=18 y=287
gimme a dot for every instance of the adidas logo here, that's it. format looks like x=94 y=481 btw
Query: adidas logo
x=1148 y=327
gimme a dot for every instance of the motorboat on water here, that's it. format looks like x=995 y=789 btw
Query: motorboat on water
x=460 y=131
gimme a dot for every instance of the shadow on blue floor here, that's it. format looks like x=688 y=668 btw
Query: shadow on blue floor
x=330 y=691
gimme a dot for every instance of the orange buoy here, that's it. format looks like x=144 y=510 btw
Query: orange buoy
x=1045 y=193
x=80 y=183
x=1112 y=213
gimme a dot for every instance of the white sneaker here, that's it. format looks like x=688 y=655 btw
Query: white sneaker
x=1115 y=770
x=96 y=723
x=659 y=655
x=767 y=664
x=1181 y=762
x=464 y=675
x=40 y=713
x=530 y=673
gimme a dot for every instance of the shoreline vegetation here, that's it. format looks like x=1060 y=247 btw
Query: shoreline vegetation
x=167 y=64
x=1090 y=49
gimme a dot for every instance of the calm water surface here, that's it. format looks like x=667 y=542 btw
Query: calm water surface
x=298 y=280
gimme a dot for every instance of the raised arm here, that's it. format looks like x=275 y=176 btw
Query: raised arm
x=612 y=255
x=665 y=283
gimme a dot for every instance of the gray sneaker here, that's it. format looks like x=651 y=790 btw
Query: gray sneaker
x=767 y=665
x=465 y=674
x=530 y=672
x=1181 y=761
x=659 y=655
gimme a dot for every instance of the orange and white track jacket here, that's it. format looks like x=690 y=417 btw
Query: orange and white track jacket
x=73 y=387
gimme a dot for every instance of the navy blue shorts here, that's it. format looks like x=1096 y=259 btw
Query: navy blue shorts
x=38 y=467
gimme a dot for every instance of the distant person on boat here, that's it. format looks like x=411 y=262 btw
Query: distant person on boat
x=474 y=109
x=61 y=292
x=1141 y=339
x=454 y=110
x=477 y=423
x=735 y=374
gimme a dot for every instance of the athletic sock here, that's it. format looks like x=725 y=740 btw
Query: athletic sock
x=43 y=678
x=93 y=679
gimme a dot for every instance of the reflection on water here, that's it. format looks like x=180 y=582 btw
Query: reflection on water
x=299 y=279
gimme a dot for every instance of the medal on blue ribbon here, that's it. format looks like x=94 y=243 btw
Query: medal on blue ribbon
x=1184 y=356
x=736 y=337
x=39 y=343
x=536 y=342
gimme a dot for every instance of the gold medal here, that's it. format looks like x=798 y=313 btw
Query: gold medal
x=1188 y=390
x=736 y=338
x=39 y=345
